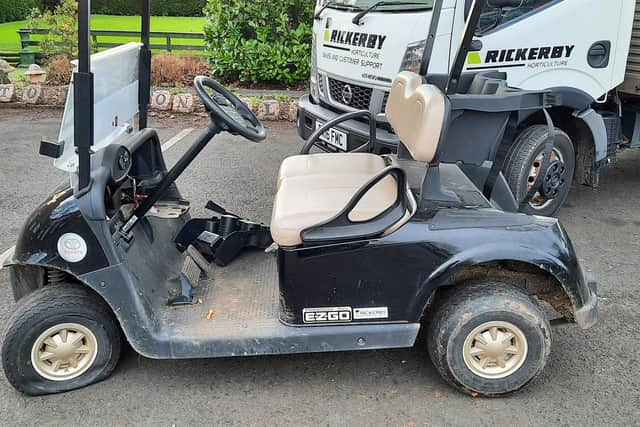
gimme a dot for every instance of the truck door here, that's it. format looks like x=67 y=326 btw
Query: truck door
x=545 y=44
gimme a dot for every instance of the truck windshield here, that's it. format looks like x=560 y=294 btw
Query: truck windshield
x=388 y=7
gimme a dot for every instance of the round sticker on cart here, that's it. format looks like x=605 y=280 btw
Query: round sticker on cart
x=72 y=248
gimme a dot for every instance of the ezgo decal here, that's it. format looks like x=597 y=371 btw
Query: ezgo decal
x=327 y=315
x=343 y=314
x=532 y=57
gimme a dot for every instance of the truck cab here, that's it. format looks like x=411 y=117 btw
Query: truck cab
x=575 y=49
x=354 y=63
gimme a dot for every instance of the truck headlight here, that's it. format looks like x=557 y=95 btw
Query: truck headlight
x=315 y=93
x=314 y=69
x=413 y=56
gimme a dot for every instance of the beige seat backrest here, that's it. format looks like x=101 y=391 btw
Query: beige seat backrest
x=416 y=111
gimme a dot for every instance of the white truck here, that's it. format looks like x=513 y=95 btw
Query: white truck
x=586 y=53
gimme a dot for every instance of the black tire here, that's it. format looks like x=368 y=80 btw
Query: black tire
x=521 y=158
x=44 y=309
x=456 y=315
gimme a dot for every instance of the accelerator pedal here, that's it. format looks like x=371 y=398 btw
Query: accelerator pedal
x=189 y=278
x=202 y=262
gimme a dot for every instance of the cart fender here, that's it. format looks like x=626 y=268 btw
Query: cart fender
x=563 y=268
x=6 y=259
x=56 y=236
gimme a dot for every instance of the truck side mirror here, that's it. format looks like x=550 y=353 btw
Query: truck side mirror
x=488 y=21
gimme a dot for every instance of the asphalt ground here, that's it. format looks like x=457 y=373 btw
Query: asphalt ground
x=591 y=378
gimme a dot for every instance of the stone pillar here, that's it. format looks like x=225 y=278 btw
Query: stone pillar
x=7 y=93
x=269 y=110
x=293 y=111
x=32 y=94
x=183 y=103
x=161 y=100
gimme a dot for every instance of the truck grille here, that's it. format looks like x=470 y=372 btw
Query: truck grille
x=321 y=85
x=384 y=102
x=360 y=96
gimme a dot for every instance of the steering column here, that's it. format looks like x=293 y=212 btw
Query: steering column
x=227 y=113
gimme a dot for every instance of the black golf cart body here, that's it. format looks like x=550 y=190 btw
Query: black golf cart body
x=438 y=247
x=353 y=290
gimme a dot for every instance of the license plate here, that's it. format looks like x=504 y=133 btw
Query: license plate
x=333 y=137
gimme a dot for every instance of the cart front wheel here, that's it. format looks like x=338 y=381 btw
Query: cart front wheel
x=60 y=338
x=488 y=339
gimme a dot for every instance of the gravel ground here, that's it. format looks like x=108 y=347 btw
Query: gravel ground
x=592 y=377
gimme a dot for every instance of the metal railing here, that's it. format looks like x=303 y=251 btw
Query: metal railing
x=28 y=54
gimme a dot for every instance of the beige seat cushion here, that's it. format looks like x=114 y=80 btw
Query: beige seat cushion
x=330 y=164
x=416 y=111
x=305 y=201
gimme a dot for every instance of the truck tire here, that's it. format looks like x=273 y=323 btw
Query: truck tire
x=523 y=164
x=487 y=339
x=60 y=338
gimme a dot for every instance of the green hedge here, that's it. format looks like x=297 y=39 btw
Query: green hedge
x=16 y=10
x=158 y=7
x=259 y=40
x=49 y=4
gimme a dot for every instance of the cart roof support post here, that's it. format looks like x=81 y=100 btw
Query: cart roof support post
x=83 y=97
x=463 y=51
x=473 y=18
x=144 y=95
x=431 y=37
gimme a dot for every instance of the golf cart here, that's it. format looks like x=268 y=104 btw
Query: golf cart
x=362 y=252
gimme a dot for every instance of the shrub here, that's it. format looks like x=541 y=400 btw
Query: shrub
x=62 y=23
x=174 y=70
x=16 y=10
x=49 y=4
x=158 y=7
x=59 y=70
x=259 y=41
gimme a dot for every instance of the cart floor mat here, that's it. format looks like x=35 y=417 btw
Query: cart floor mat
x=233 y=300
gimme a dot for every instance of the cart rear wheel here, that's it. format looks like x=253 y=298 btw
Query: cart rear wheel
x=60 y=338
x=488 y=339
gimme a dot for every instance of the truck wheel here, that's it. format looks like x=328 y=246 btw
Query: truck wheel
x=488 y=339
x=524 y=166
x=60 y=338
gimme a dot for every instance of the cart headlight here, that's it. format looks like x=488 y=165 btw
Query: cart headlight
x=413 y=56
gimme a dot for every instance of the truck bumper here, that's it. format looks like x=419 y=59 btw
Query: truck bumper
x=358 y=132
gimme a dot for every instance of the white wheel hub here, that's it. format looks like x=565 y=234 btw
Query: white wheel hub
x=495 y=350
x=64 y=352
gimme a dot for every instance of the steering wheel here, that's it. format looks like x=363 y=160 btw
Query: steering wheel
x=228 y=111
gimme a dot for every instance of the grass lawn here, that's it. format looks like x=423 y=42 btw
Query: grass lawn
x=10 y=41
